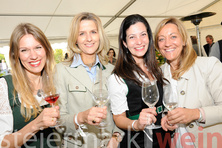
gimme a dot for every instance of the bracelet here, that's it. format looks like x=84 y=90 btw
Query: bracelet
x=80 y=127
x=76 y=120
x=133 y=125
x=201 y=117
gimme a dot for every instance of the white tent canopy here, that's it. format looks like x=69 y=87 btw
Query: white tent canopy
x=54 y=16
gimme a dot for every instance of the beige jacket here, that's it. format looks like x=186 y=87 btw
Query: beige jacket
x=74 y=86
x=201 y=87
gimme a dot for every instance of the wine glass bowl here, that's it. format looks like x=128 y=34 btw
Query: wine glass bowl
x=150 y=96
x=51 y=99
x=100 y=96
x=169 y=97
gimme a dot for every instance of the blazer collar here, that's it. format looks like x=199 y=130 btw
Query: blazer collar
x=166 y=70
x=80 y=74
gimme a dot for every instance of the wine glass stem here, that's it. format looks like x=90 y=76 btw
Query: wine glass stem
x=152 y=124
x=100 y=138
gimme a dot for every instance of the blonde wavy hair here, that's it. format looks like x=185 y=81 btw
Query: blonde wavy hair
x=74 y=33
x=22 y=85
x=188 y=54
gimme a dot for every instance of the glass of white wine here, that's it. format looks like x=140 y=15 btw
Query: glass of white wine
x=169 y=97
x=101 y=97
x=150 y=96
x=100 y=94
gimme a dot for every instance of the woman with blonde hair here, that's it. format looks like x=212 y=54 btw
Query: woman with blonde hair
x=26 y=118
x=196 y=82
x=88 y=45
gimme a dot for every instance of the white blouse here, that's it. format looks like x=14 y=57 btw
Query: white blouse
x=117 y=93
x=6 y=116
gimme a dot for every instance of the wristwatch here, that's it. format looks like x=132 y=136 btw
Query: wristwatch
x=117 y=136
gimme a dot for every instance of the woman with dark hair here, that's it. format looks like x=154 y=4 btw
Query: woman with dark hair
x=111 y=55
x=136 y=62
x=24 y=115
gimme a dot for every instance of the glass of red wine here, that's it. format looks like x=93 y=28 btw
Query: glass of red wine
x=51 y=99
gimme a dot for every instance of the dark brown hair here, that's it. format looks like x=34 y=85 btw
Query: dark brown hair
x=126 y=65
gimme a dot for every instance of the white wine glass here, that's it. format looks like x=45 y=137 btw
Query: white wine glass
x=169 y=97
x=150 y=96
x=101 y=97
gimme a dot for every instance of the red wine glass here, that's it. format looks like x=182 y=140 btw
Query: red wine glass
x=51 y=99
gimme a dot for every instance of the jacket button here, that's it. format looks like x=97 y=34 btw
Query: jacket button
x=182 y=92
x=77 y=87
x=191 y=125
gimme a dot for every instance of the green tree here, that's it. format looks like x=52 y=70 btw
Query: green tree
x=58 y=53
x=2 y=57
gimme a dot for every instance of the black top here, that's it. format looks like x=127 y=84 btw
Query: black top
x=135 y=103
x=207 y=48
x=220 y=49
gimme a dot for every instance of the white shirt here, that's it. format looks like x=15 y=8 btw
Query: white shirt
x=117 y=92
x=6 y=116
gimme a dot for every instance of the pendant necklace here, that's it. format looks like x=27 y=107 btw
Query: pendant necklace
x=40 y=91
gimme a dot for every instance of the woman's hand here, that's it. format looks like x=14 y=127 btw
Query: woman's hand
x=92 y=116
x=147 y=117
x=114 y=140
x=182 y=115
x=113 y=143
x=47 y=118
x=165 y=125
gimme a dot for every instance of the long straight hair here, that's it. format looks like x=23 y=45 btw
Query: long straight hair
x=29 y=105
x=188 y=54
x=126 y=65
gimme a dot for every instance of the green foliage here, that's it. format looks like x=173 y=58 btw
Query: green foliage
x=58 y=53
x=1 y=73
x=2 y=57
x=160 y=58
